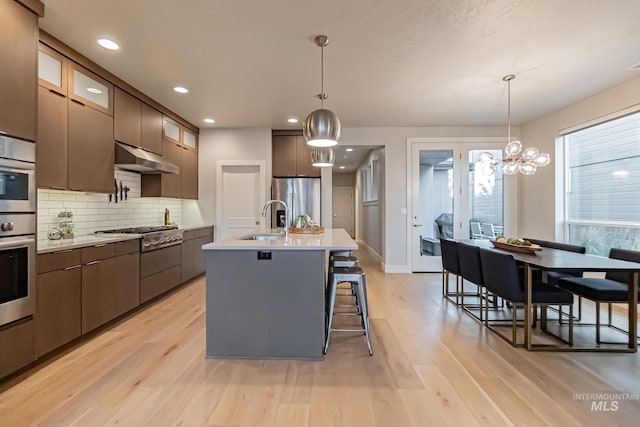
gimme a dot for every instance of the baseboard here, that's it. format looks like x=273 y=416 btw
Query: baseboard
x=396 y=268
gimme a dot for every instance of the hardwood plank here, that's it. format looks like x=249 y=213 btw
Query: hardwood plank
x=432 y=365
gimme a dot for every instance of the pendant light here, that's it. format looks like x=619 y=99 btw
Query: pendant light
x=322 y=127
x=516 y=159
x=525 y=161
x=322 y=157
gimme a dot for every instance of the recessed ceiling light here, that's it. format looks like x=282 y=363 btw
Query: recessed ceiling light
x=209 y=120
x=181 y=89
x=93 y=90
x=349 y=149
x=341 y=167
x=292 y=120
x=108 y=44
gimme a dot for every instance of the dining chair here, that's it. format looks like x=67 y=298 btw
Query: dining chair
x=501 y=277
x=613 y=288
x=450 y=265
x=488 y=231
x=476 y=230
x=471 y=271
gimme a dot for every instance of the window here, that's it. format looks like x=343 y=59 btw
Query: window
x=370 y=180
x=602 y=186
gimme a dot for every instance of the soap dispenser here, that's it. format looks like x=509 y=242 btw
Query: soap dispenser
x=167 y=220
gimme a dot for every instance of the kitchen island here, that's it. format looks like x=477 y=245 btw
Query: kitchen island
x=265 y=298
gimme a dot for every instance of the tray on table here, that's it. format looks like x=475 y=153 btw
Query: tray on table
x=516 y=248
x=306 y=230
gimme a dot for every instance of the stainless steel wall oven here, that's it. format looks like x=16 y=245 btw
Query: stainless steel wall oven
x=17 y=229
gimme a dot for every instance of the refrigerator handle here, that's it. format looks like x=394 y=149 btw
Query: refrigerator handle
x=292 y=208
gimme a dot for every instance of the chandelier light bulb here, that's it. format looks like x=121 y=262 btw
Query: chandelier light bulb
x=513 y=149
x=541 y=159
x=527 y=168
x=529 y=153
x=510 y=167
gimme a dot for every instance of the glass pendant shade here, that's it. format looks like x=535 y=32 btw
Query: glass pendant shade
x=527 y=168
x=322 y=128
x=529 y=153
x=510 y=167
x=322 y=157
x=542 y=159
x=513 y=149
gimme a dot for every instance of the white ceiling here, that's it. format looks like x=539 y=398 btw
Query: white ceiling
x=251 y=63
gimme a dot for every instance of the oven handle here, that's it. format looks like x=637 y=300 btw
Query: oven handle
x=12 y=242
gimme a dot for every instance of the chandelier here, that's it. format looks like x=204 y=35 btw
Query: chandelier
x=516 y=159
x=322 y=157
x=322 y=127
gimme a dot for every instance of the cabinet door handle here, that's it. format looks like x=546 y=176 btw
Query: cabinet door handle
x=94 y=262
x=55 y=92
x=73 y=267
x=77 y=102
x=3 y=132
x=63 y=252
x=100 y=245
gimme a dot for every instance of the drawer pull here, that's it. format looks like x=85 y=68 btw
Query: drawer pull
x=73 y=267
x=101 y=245
x=63 y=252
x=94 y=262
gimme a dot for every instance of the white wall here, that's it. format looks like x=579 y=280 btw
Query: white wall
x=224 y=144
x=371 y=216
x=539 y=204
x=344 y=179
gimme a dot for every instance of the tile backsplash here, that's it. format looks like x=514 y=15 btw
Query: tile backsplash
x=93 y=211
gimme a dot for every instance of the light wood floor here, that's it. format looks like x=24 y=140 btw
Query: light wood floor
x=432 y=365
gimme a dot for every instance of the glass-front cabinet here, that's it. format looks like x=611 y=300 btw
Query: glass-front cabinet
x=189 y=139
x=52 y=70
x=89 y=89
x=171 y=130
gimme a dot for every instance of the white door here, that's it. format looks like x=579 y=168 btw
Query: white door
x=450 y=186
x=343 y=207
x=240 y=198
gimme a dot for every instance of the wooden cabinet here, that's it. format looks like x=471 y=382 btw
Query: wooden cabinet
x=89 y=89
x=291 y=156
x=75 y=147
x=91 y=152
x=150 y=129
x=110 y=282
x=192 y=254
x=160 y=271
x=51 y=147
x=17 y=344
x=135 y=123
x=18 y=73
x=189 y=172
x=58 y=303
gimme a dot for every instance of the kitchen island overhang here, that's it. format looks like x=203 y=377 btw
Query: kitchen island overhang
x=266 y=298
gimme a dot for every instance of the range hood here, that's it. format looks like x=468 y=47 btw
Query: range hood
x=139 y=160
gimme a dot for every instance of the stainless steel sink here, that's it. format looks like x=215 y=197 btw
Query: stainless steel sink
x=263 y=236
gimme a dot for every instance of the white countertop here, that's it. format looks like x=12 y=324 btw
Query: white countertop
x=332 y=239
x=46 y=246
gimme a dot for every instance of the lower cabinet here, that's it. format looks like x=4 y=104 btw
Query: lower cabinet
x=192 y=254
x=110 y=282
x=159 y=271
x=58 y=299
x=17 y=344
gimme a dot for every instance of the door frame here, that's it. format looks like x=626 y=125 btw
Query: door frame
x=220 y=165
x=460 y=145
x=353 y=212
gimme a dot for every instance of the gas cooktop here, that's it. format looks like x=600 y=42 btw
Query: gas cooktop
x=140 y=230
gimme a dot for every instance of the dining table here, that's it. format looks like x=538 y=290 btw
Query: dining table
x=548 y=259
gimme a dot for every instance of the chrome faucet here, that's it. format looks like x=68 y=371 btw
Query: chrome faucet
x=286 y=213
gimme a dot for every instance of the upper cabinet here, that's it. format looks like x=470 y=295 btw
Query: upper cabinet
x=171 y=130
x=291 y=157
x=88 y=89
x=135 y=123
x=74 y=149
x=18 y=73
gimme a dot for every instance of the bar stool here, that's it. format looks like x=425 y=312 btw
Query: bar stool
x=344 y=261
x=355 y=276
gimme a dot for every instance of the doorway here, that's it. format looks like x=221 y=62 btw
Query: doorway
x=343 y=209
x=240 y=196
x=451 y=186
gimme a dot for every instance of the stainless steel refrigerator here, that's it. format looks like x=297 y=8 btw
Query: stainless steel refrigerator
x=302 y=196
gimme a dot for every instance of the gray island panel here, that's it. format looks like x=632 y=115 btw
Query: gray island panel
x=268 y=308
